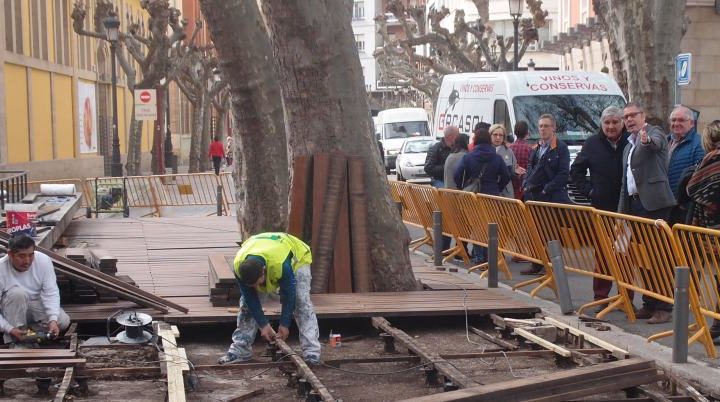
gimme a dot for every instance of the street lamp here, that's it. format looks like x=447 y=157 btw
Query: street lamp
x=516 y=11
x=112 y=32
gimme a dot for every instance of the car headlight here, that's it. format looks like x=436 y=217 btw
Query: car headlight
x=393 y=151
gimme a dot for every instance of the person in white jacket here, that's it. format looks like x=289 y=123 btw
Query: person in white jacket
x=29 y=295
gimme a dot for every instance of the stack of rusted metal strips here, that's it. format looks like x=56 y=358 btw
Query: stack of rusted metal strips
x=99 y=280
x=328 y=208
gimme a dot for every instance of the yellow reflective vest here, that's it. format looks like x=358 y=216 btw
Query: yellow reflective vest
x=274 y=248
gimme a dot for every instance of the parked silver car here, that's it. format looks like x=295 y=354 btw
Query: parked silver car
x=411 y=159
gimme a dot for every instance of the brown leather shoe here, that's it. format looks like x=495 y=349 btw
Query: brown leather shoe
x=660 y=317
x=644 y=314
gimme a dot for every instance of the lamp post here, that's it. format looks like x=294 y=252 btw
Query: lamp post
x=112 y=32
x=516 y=11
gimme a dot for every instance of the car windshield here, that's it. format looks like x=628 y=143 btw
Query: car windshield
x=406 y=129
x=417 y=147
x=577 y=116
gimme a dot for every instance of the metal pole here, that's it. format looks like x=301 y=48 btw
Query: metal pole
x=492 y=255
x=168 y=134
x=437 y=238
x=516 y=23
x=116 y=169
x=558 y=266
x=219 y=200
x=680 y=315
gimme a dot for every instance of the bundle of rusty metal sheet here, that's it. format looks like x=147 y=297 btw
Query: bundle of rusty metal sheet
x=328 y=208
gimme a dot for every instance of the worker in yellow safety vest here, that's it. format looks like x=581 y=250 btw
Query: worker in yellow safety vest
x=265 y=265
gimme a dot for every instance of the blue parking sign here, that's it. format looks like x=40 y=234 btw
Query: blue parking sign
x=683 y=64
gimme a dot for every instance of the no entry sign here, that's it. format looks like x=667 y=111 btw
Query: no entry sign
x=145 y=104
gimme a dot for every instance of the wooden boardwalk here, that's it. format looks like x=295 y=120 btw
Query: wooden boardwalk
x=169 y=257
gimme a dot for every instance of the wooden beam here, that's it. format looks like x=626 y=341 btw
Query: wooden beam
x=619 y=353
x=494 y=339
x=173 y=365
x=426 y=354
x=64 y=385
x=47 y=362
x=542 y=342
x=558 y=386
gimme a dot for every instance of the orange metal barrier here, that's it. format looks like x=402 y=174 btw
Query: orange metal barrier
x=34 y=187
x=518 y=234
x=427 y=200
x=459 y=206
x=411 y=214
x=700 y=250
x=575 y=227
x=645 y=255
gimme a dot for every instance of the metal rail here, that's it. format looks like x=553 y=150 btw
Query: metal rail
x=13 y=186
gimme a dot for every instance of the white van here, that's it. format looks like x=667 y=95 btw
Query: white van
x=576 y=99
x=393 y=126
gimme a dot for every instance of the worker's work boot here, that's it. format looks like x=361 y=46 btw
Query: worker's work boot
x=232 y=358
x=660 y=317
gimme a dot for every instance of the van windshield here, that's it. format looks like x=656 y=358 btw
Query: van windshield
x=577 y=116
x=406 y=129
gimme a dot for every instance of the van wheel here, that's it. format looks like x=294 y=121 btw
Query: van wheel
x=399 y=176
x=387 y=170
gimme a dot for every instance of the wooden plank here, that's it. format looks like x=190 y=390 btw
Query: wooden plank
x=342 y=263
x=427 y=354
x=64 y=385
x=493 y=339
x=42 y=363
x=173 y=365
x=359 y=226
x=320 y=174
x=300 y=197
x=619 y=353
x=558 y=386
x=246 y=395
x=542 y=342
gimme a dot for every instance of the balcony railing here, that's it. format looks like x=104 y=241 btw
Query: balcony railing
x=13 y=186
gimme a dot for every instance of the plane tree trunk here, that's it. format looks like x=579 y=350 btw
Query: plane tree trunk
x=326 y=110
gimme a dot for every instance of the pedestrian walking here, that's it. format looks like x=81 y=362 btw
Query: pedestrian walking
x=229 y=150
x=216 y=153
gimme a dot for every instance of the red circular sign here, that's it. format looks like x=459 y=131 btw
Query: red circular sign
x=145 y=96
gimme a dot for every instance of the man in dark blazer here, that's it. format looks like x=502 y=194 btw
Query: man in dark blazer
x=645 y=189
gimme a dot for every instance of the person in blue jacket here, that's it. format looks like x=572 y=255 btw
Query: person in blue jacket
x=549 y=167
x=685 y=150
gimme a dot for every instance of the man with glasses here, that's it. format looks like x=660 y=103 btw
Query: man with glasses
x=685 y=150
x=645 y=189
x=547 y=172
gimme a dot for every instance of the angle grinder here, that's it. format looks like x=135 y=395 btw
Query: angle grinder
x=39 y=337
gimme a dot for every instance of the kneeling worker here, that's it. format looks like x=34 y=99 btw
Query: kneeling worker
x=266 y=263
x=29 y=295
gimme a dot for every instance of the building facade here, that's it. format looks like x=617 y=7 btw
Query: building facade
x=582 y=48
x=55 y=103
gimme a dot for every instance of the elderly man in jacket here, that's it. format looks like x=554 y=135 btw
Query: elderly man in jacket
x=645 y=189
x=685 y=150
x=602 y=155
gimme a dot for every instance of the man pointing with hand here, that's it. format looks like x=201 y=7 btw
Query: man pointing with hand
x=268 y=263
